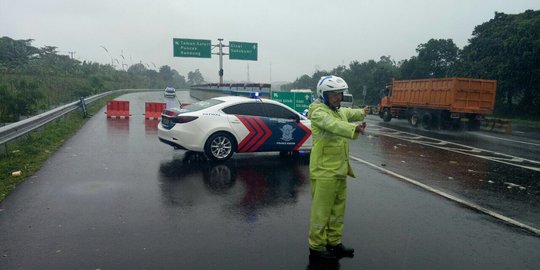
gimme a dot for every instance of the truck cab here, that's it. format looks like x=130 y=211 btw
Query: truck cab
x=386 y=103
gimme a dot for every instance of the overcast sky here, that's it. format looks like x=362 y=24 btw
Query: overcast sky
x=294 y=37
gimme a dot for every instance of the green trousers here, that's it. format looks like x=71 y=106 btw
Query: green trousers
x=327 y=211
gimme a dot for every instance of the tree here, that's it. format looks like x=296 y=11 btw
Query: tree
x=49 y=62
x=304 y=82
x=16 y=53
x=166 y=74
x=507 y=49
x=407 y=69
x=436 y=59
x=137 y=69
x=23 y=99
x=179 y=80
x=6 y=101
x=195 y=77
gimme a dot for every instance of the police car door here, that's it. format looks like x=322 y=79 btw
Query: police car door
x=249 y=124
x=289 y=133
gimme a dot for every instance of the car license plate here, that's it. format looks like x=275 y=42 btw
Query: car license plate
x=166 y=121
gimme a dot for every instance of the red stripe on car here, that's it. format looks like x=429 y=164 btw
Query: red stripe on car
x=258 y=134
x=304 y=139
x=249 y=136
x=266 y=131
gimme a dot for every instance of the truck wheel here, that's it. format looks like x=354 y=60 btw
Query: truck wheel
x=427 y=120
x=386 y=115
x=414 y=119
x=220 y=147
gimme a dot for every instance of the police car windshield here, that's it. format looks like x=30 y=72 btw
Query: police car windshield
x=201 y=105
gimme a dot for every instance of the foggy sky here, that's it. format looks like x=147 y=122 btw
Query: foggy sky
x=294 y=37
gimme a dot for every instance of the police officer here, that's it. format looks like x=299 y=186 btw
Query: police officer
x=329 y=166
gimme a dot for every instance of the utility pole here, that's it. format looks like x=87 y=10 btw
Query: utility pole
x=364 y=91
x=247 y=72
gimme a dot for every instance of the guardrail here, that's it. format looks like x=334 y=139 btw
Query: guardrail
x=17 y=129
x=496 y=124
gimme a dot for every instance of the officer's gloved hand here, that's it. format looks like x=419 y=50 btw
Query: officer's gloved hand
x=360 y=128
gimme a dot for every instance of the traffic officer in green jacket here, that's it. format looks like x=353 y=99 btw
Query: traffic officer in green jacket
x=331 y=128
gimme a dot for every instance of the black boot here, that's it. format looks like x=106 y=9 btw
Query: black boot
x=321 y=255
x=340 y=251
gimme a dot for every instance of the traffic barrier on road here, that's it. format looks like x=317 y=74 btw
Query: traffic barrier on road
x=373 y=109
x=117 y=108
x=497 y=125
x=152 y=110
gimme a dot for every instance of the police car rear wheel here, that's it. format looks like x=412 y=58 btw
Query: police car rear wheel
x=220 y=147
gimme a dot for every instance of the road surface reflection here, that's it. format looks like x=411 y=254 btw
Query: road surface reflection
x=245 y=184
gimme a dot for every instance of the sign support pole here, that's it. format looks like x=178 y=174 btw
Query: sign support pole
x=220 y=61
x=220 y=53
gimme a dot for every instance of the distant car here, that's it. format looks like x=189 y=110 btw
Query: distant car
x=347 y=100
x=221 y=126
x=169 y=92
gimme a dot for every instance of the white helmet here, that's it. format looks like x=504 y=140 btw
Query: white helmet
x=329 y=84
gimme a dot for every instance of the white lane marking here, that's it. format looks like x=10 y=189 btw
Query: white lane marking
x=453 y=198
x=510 y=140
x=502 y=158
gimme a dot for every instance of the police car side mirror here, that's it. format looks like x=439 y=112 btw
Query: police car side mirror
x=296 y=118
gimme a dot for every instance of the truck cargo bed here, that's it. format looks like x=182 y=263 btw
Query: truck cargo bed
x=461 y=95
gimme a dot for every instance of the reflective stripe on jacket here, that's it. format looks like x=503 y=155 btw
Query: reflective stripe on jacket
x=331 y=131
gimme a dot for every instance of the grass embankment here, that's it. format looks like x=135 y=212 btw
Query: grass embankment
x=527 y=122
x=28 y=153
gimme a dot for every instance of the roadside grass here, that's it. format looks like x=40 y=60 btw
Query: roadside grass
x=28 y=153
x=526 y=122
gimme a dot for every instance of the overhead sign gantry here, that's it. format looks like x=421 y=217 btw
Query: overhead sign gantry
x=202 y=48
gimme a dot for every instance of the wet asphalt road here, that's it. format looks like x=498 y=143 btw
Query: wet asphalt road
x=507 y=188
x=114 y=197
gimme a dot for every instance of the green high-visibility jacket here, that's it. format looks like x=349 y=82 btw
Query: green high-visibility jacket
x=331 y=131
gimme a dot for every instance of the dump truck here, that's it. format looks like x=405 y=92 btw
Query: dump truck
x=446 y=103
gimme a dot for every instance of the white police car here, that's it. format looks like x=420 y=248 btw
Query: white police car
x=221 y=126
x=169 y=92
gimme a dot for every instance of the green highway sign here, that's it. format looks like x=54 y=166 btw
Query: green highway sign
x=302 y=101
x=199 y=48
x=243 y=50
x=286 y=98
x=297 y=101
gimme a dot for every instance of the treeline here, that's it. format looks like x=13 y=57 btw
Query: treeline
x=506 y=49
x=34 y=79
